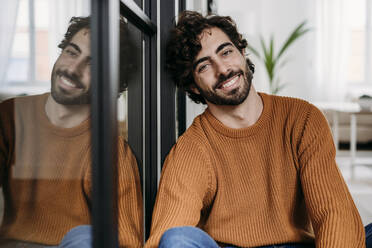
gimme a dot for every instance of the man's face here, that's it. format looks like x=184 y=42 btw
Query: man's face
x=220 y=70
x=71 y=72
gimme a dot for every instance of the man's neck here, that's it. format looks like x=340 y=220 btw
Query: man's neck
x=240 y=116
x=66 y=116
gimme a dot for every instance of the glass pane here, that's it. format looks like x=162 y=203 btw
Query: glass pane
x=45 y=144
x=45 y=139
x=130 y=114
x=42 y=50
x=45 y=154
x=19 y=57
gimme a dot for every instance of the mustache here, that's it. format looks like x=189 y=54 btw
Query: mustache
x=72 y=77
x=222 y=78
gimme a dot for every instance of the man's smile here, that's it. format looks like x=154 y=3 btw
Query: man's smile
x=230 y=83
x=67 y=82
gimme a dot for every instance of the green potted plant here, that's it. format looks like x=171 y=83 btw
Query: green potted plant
x=273 y=61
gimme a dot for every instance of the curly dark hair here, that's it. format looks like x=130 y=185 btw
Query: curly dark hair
x=128 y=49
x=184 y=45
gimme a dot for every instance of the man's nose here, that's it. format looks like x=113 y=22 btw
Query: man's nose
x=222 y=67
x=75 y=67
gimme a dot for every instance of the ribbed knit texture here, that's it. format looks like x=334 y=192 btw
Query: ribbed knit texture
x=46 y=177
x=271 y=183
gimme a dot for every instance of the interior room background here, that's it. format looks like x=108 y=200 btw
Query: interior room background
x=332 y=63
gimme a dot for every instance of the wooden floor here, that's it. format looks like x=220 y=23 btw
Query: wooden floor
x=360 y=186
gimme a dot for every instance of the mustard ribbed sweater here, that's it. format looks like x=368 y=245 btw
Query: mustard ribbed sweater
x=271 y=183
x=45 y=174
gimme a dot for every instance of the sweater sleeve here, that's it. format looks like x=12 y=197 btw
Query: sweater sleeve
x=130 y=208
x=335 y=219
x=186 y=188
x=129 y=198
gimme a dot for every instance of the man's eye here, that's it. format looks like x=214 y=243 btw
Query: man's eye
x=227 y=52
x=70 y=52
x=203 y=68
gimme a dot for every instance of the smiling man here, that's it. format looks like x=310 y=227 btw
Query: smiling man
x=45 y=155
x=254 y=170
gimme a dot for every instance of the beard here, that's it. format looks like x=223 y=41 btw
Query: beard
x=235 y=96
x=64 y=97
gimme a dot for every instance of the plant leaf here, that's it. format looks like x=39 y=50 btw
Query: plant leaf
x=266 y=59
x=299 y=31
x=270 y=61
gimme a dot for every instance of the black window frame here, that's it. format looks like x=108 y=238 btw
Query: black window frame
x=149 y=141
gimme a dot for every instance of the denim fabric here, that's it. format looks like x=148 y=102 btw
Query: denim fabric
x=290 y=246
x=78 y=237
x=193 y=237
x=186 y=237
x=369 y=235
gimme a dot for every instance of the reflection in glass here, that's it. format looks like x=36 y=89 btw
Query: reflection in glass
x=45 y=155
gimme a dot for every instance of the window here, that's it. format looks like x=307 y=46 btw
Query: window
x=359 y=54
x=39 y=28
x=29 y=60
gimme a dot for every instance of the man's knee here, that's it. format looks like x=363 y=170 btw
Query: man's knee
x=80 y=236
x=186 y=236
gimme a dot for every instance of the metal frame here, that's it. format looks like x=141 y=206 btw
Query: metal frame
x=151 y=125
x=136 y=16
x=142 y=112
x=181 y=96
x=167 y=87
x=143 y=107
x=105 y=77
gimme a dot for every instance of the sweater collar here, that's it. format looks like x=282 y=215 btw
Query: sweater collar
x=247 y=131
x=60 y=131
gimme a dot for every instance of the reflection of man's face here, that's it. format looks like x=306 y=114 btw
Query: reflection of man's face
x=220 y=70
x=71 y=72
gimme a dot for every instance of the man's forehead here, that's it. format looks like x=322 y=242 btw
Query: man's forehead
x=210 y=39
x=213 y=34
x=81 y=38
x=85 y=32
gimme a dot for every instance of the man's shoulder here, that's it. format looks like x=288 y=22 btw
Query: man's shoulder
x=194 y=133
x=193 y=141
x=23 y=101
x=293 y=105
x=290 y=101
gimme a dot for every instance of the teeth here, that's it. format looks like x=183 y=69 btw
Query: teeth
x=65 y=81
x=230 y=83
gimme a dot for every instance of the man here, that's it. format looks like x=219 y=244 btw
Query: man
x=45 y=155
x=254 y=170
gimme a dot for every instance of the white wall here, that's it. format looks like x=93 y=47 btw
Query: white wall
x=278 y=18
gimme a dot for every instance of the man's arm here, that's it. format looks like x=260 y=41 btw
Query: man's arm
x=334 y=217
x=130 y=208
x=129 y=197
x=187 y=185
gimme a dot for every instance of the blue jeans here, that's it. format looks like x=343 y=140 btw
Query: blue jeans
x=193 y=237
x=369 y=235
x=78 y=237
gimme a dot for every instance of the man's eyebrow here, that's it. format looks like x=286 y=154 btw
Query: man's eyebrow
x=200 y=61
x=223 y=45
x=74 y=46
x=219 y=48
